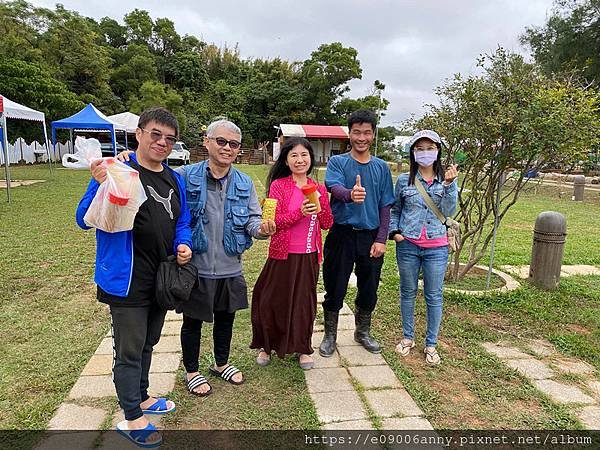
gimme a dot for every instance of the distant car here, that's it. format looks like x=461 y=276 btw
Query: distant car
x=180 y=154
x=107 y=148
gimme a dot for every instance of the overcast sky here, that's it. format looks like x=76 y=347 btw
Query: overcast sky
x=410 y=45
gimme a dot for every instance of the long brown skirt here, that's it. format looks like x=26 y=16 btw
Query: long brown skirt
x=284 y=305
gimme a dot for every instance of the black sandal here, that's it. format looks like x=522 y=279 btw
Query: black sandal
x=227 y=374
x=197 y=381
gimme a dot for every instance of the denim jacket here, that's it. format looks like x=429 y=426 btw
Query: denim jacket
x=410 y=212
x=237 y=214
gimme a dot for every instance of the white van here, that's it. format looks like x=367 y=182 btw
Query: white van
x=180 y=154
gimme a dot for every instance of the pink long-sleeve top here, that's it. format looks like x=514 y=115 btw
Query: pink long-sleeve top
x=287 y=215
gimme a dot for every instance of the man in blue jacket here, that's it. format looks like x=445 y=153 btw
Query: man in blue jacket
x=126 y=267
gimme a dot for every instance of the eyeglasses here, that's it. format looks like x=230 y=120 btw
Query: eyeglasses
x=157 y=136
x=222 y=142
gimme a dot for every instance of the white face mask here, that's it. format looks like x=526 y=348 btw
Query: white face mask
x=426 y=158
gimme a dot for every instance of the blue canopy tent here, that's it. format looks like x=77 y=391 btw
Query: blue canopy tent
x=89 y=118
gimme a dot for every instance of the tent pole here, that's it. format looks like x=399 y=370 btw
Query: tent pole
x=6 y=160
x=54 y=142
x=47 y=145
x=114 y=140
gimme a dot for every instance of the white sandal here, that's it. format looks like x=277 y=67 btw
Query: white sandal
x=404 y=349
x=432 y=357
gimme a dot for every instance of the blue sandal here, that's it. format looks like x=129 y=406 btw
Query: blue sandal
x=159 y=407
x=139 y=437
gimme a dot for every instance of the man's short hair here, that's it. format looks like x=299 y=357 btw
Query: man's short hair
x=362 y=116
x=227 y=124
x=161 y=116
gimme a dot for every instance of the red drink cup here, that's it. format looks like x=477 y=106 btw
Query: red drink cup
x=311 y=193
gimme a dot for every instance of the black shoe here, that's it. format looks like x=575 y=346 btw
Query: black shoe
x=362 y=334
x=327 y=346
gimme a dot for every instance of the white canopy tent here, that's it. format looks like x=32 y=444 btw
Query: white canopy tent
x=13 y=110
x=130 y=120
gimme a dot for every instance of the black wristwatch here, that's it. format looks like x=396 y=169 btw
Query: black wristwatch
x=392 y=234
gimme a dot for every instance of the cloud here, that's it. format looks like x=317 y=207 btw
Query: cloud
x=410 y=45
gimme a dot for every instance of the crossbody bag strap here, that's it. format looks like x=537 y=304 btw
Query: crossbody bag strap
x=429 y=201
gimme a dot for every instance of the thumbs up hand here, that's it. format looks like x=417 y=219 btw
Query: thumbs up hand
x=358 y=192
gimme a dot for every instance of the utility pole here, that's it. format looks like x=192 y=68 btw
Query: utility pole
x=379 y=86
x=378 y=118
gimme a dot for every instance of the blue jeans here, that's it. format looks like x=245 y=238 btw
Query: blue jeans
x=433 y=261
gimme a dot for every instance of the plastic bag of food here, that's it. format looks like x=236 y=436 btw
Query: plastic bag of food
x=117 y=200
x=87 y=151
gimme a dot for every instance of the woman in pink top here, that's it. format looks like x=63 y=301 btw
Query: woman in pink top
x=284 y=298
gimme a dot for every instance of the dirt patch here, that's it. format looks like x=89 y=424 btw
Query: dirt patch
x=577 y=328
x=458 y=395
x=491 y=320
x=16 y=183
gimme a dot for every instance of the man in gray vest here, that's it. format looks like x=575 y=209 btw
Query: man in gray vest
x=225 y=217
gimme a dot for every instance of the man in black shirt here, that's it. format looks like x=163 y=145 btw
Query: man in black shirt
x=126 y=267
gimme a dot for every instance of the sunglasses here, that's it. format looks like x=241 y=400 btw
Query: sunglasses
x=157 y=136
x=222 y=142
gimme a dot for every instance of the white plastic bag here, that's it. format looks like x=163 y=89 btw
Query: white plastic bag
x=117 y=200
x=87 y=151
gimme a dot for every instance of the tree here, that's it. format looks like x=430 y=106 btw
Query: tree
x=510 y=118
x=19 y=28
x=114 y=33
x=570 y=39
x=139 y=26
x=166 y=40
x=33 y=86
x=70 y=48
x=152 y=93
x=135 y=65
x=191 y=44
x=186 y=70
x=325 y=76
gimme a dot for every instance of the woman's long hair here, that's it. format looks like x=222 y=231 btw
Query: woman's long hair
x=280 y=169
x=438 y=168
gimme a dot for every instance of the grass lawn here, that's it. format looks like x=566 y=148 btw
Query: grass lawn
x=50 y=324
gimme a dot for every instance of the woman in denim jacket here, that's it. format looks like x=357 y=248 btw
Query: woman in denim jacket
x=421 y=241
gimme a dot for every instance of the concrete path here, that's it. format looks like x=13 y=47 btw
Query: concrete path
x=92 y=402
x=568 y=381
x=350 y=390
x=566 y=270
x=566 y=184
x=354 y=388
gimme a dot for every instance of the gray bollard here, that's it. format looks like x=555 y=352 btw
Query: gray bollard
x=578 y=187
x=549 y=237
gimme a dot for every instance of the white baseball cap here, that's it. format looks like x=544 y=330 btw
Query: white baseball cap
x=429 y=134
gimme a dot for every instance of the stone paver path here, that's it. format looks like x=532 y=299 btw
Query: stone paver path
x=566 y=271
x=351 y=382
x=544 y=367
x=332 y=385
x=95 y=382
